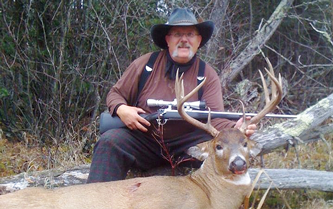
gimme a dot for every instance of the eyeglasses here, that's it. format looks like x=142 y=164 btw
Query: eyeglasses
x=179 y=35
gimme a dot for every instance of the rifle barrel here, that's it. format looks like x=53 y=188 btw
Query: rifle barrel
x=198 y=114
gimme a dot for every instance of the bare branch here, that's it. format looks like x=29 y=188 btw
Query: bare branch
x=253 y=48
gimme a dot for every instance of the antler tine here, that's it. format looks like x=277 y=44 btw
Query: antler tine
x=264 y=85
x=245 y=122
x=181 y=99
x=274 y=87
x=276 y=93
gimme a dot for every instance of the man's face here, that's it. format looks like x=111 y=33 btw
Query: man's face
x=183 y=43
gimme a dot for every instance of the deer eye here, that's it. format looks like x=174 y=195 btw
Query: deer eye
x=219 y=147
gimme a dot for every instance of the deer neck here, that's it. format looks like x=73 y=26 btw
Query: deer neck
x=233 y=188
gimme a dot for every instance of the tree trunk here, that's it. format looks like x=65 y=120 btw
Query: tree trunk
x=217 y=16
x=262 y=36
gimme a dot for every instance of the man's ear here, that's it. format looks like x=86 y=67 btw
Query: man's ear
x=200 y=39
x=167 y=39
x=200 y=151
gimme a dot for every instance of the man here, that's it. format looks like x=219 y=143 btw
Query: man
x=135 y=146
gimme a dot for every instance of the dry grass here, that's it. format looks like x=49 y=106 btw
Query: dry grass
x=28 y=156
x=317 y=204
x=316 y=156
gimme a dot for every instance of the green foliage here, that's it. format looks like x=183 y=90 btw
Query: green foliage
x=58 y=59
x=7 y=45
x=56 y=55
x=3 y=92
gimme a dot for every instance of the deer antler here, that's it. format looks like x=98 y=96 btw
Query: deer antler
x=181 y=99
x=271 y=103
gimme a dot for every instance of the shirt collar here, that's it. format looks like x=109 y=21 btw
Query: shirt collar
x=172 y=66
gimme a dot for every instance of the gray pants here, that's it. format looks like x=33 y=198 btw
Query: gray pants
x=118 y=150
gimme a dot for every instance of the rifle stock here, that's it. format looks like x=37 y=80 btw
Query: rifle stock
x=107 y=121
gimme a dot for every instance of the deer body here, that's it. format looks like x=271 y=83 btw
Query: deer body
x=210 y=187
x=141 y=193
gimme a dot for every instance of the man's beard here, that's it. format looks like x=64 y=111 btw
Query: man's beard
x=175 y=52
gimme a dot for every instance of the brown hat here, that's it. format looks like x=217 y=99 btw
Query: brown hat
x=181 y=17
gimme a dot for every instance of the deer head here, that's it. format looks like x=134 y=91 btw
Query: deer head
x=231 y=145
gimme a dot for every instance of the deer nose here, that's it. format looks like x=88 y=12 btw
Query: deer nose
x=238 y=166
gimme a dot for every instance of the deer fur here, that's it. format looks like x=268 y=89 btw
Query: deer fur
x=212 y=186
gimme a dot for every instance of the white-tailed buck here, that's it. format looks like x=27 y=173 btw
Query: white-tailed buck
x=222 y=181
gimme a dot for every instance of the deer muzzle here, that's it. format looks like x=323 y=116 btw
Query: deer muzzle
x=238 y=166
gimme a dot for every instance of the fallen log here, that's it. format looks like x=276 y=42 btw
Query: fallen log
x=294 y=179
x=49 y=179
x=281 y=178
x=303 y=129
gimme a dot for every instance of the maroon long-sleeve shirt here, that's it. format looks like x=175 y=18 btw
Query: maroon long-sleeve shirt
x=159 y=86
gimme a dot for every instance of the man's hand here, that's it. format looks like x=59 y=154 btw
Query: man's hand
x=250 y=129
x=131 y=118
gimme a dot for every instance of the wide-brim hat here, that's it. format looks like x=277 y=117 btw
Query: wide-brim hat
x=181 y=17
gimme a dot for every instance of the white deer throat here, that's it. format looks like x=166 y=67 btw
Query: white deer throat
x=243 y=179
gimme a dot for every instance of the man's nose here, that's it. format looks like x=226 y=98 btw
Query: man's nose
x=184 y=37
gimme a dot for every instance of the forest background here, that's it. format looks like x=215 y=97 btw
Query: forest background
x=60 y=58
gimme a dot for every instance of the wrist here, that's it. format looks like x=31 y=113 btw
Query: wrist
x=115 y=111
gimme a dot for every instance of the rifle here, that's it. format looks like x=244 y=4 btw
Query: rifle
x=194 y=109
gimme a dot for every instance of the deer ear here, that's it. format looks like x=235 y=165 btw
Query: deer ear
x=199 y=151
x=253 y=148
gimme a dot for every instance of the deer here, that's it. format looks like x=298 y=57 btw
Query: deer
x=221 y=182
